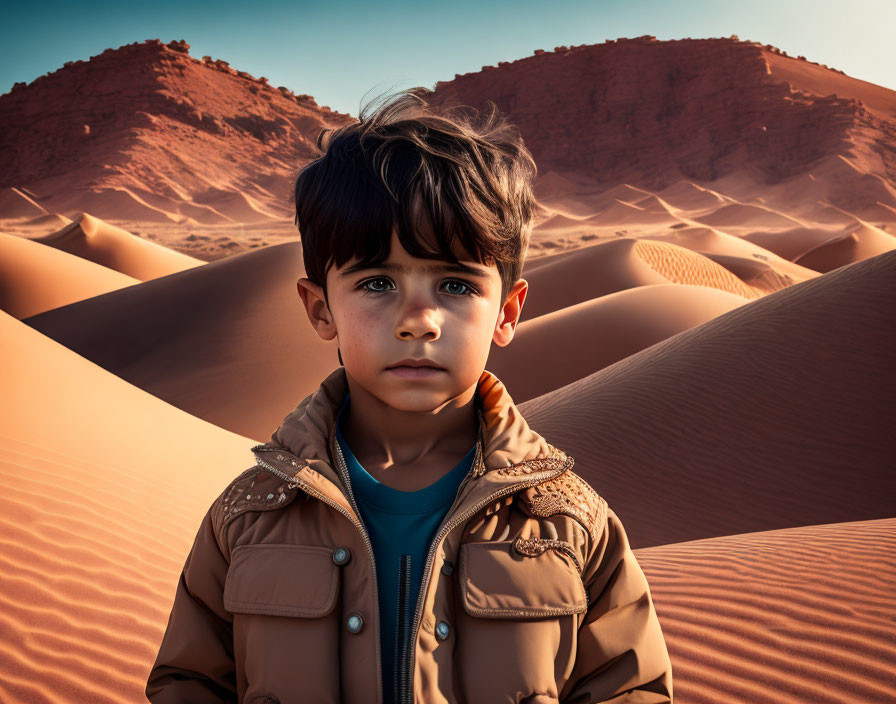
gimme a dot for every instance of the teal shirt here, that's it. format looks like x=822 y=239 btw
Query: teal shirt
x=402 y=526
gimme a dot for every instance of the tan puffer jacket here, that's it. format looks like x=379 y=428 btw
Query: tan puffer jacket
x=531 y=592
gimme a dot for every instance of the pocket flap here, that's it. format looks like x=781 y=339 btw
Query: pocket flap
x=498 y=582
x=281 y=580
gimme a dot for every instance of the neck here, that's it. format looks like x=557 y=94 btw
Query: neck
x=385 y=436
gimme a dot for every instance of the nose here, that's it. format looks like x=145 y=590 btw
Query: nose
x=419 y=317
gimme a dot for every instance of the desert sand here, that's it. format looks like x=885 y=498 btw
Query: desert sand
x=34 y=278
x=709 y=332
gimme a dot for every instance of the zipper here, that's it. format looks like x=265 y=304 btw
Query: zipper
x=294 y=481
x=409 y=657
x=401 y=633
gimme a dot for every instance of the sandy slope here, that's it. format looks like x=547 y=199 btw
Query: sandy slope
x=785 y=616
x=569 y=344
x=103 y=487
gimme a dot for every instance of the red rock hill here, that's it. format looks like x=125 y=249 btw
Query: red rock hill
x=146 y=131
x=649 y=112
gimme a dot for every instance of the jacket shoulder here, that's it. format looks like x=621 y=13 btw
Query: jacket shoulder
x=570 y=495
x=255 y=489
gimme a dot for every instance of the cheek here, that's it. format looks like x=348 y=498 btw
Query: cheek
x=359 y=323
x=481 y=322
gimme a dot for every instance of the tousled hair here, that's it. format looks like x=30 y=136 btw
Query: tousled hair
x=406 y=168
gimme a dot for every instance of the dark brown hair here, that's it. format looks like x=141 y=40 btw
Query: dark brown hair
x=403 y=167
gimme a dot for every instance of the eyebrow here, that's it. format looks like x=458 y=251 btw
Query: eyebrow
x=401 y=269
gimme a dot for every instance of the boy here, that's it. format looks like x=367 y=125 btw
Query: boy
x=405 y=536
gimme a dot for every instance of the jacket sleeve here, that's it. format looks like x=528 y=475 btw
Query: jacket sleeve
x=195 y=661
x=622 y=655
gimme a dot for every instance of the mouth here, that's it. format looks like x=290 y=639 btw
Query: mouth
x=410 y=372
x=416 y=364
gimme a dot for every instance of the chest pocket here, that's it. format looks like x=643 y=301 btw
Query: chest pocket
x=281 y=580
x=284 y=598
x=498 y=581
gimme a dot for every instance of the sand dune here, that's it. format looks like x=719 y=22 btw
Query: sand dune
x=793 y=243
x=728 y=250
x=759 y=275
x=103 y=487
x=562 y=280
x=746 y=215
x=780 y=617
x=776 y=414
x=858 y=242
x=238 y=350
x=97 y=241
x=563 y=346
x=630 y=213
x=686 y=195
x=35 y=278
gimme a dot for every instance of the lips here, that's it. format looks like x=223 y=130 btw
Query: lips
x=423 y=372
x=416 y=364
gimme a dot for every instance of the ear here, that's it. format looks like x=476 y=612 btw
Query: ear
x=509 y=315
x=316 y=307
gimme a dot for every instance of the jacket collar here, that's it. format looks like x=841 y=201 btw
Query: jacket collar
x=508 y=450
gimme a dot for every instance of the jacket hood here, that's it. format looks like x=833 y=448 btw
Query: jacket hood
x=504 y=435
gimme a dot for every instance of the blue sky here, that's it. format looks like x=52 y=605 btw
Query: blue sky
x=337 y=50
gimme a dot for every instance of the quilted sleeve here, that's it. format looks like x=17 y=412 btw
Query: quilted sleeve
x=622 y=655
x=195 y=660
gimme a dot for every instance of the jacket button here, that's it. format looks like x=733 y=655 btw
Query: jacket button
x=354 y=622
x=442 y=630
x=447 y=568
x=341 y=555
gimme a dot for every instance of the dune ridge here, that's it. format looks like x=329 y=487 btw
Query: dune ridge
x=90 y=238
x=35 y=279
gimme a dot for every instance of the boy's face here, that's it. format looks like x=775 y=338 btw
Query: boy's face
x=404 y=309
